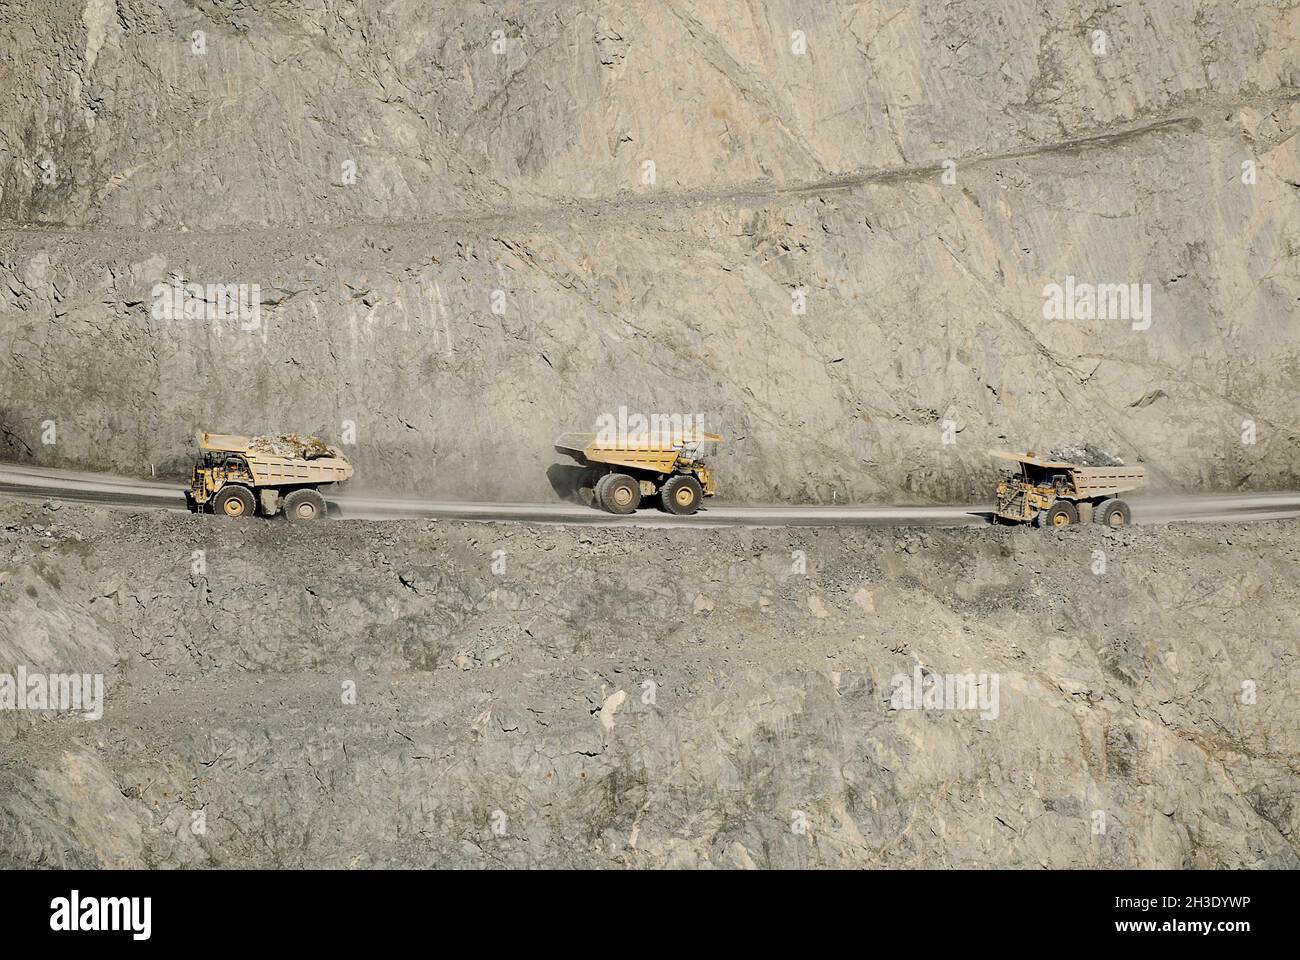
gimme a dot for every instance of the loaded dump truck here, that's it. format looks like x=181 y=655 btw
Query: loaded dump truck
x=624 y=471
x=1053 y=493
x=239 y=476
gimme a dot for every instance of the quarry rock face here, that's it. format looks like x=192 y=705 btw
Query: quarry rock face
x=864 y=242
x=378 y=694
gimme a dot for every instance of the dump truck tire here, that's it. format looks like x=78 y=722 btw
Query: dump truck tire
x=233 y=500
x=303 y=505
x=589 y=481
x=681 y=495
x=598 y=492
x=1115 y=513
x=621 y=494
x=1060 y=514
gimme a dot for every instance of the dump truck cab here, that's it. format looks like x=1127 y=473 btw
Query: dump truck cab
x=1055 y=493
x=624 y=471
x=238 y=476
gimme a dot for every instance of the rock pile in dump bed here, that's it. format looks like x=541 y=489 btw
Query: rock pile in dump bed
x=1085 y=455
x=291 y=445
x=413 y=694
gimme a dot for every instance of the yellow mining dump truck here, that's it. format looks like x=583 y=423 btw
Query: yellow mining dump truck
x=625 y=470
x=1053 y=493
x=238 y=476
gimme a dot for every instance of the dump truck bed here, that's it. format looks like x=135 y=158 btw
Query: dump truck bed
x=1088 y=481
x=1099 y=481
x=272 y=471
x=281 y=471
x=655 y=453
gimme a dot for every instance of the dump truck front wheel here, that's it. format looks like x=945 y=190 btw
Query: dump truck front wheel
x=233 y=500
x=1060 y=514
x=1114 y=513
x=681 y=495
x=303 y=505
x=620 y=494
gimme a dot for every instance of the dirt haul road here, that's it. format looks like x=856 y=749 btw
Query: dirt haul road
x=35 y=484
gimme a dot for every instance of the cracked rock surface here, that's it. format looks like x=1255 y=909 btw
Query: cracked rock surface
x=374 y=694
x=459 y=250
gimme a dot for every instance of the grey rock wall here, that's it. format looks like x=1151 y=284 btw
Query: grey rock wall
x=516 y=164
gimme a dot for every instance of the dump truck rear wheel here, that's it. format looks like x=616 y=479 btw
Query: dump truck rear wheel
x=598 y=488
x=621 y=494
x=1115 y=513
x=681 y=495
x=303 y=505
x=1060 y=514
x=589 y=477
x=233 y=500
x=598 y=492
